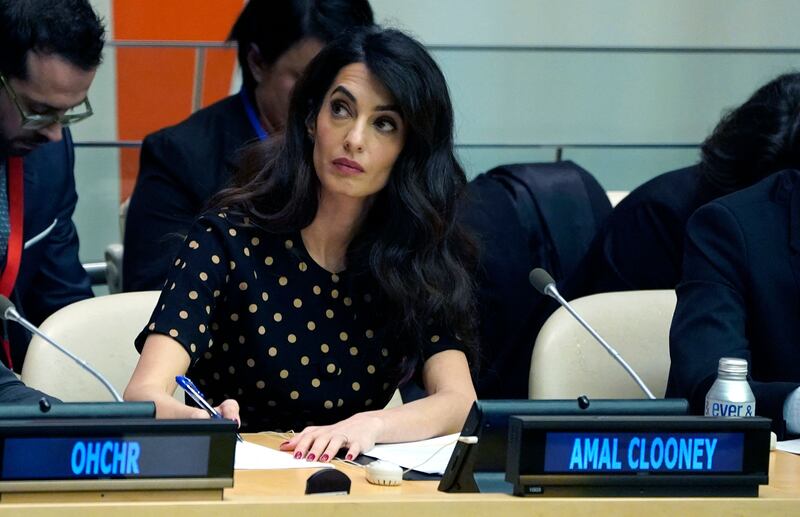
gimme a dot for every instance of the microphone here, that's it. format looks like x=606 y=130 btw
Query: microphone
x=544 y=283
x=9 y=313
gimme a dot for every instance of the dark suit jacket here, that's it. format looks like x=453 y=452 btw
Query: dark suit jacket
x=181 y=168
x=13 y=391
x=740 y=295
x=641 y=244
x=51 y=275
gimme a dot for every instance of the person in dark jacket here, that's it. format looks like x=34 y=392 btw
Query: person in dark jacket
x=740 y=297
x=182 y=166
x=641 y=243
x=50 y=52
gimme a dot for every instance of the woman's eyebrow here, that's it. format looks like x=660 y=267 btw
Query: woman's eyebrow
x=344 y=91
x=388 y=107
x=384 y=107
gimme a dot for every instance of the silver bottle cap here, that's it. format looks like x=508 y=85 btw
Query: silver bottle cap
x=733 y=366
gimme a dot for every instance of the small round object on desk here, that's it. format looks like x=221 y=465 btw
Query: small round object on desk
x=384 y=473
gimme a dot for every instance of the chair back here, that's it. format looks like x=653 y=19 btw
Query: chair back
x=567 y=362
x=100 y=331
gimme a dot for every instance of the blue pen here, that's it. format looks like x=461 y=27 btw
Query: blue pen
x=188 y=386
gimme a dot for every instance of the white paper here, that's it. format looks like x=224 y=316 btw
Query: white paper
x=792 y=446
x=250 y=456
x=428 y=456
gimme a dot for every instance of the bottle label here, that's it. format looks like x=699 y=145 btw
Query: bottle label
x=716 y=407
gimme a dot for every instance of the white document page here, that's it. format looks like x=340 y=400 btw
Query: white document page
x=421 y=456
x=792 y=446
x=250 y=456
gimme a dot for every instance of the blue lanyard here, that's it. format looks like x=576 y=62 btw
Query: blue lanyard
x=252 y=117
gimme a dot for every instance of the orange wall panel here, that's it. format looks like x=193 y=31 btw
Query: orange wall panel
x=155 y=86
x=154 y=90
x=199 y=20
x=217 y=74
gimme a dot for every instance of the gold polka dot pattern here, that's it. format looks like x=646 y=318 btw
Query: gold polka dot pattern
x=293 y=339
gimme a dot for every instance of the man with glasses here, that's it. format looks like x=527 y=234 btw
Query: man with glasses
x=49 y=52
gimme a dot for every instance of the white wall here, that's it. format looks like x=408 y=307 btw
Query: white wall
x=660 y=23
x=548 y=72
x=97 y=170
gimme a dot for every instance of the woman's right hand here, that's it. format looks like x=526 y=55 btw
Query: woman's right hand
x=153 y=379
x=229 y=409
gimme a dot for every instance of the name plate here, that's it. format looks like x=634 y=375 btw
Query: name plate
x=627 y=456
x=643 y=452
x=118 y=454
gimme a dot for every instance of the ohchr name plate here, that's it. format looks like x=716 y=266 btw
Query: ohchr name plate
x=626 y=456
x=115 y=454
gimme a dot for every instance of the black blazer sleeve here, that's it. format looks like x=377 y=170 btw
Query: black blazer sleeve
x=161 y=211
x=712 y=318
x=59 y=279
x=13 y=391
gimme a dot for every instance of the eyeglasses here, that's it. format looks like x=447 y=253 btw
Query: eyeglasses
x=36 y=121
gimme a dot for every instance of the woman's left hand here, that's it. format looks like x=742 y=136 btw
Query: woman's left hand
x=357 y=434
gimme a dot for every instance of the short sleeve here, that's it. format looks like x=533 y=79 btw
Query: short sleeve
x=195 y=281
x=437 y=341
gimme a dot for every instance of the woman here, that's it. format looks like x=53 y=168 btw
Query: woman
x=336 y=271
x=183 y=166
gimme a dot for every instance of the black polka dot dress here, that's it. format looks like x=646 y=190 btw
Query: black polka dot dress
x=294 y=344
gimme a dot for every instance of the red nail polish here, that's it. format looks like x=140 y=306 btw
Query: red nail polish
x=323 y=458
x=284 y=443
x=298 y=455
x=310 y=457
x=349 y=457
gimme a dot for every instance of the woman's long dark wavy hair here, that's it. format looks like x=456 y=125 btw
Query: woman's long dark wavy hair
x=760 y=137
x=410 y=241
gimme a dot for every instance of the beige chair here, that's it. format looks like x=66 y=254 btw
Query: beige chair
x=100 y=331
x=567 y=362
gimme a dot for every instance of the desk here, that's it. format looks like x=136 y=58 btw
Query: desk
x=280 y=493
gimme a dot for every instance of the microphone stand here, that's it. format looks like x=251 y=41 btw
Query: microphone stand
x=545 y=284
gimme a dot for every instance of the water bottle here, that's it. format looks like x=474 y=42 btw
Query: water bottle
x=730 y=395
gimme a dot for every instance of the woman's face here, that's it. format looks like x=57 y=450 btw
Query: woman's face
x=276 y=81
x=358 y=134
